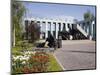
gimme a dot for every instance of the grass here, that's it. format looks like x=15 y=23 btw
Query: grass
x=17 y=49
x=54 y=66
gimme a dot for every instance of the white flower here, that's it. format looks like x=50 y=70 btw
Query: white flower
x=27 y=58
x=21 y=58
x=13 y=64
x=15 y=58
x=23 y=62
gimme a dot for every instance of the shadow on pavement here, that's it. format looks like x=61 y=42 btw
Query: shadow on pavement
x=82 y=51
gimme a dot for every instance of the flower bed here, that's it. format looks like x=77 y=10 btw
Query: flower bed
x=29 y=62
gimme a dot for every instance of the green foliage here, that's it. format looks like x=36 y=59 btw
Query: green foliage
x=21 y=46
x=16 y=53
x=34 y=31
x=88 y=16
x=18 y=10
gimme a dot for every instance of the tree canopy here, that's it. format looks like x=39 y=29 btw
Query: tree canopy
x=18 y=10
x=88 y=16
x=34 y=30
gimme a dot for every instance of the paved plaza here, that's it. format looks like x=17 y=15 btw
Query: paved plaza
x=76 y=54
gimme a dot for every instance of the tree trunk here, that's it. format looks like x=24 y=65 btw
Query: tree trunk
x=14 y=38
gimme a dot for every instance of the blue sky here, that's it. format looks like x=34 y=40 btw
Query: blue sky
x=54 y=10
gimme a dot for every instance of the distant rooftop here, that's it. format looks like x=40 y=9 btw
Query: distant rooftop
x=56 y=18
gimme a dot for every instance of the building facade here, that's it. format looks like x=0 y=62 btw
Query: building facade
x=67 y=27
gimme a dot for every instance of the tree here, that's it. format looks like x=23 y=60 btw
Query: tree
x=88 y=18
x=18 y=10
x=34 y=31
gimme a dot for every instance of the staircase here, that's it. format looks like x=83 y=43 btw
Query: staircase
x=77 y=33
x=81 y=30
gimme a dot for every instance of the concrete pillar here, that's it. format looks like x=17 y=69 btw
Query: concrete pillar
x=93 y=30
x=40 y=30
x=62 y=26
x=14 y=38
x=44 y=28
x=48 y=26
x=54 y=29
x=46 y=34
x=90 y=29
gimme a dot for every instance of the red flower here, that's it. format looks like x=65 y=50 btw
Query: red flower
x=26 y=70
